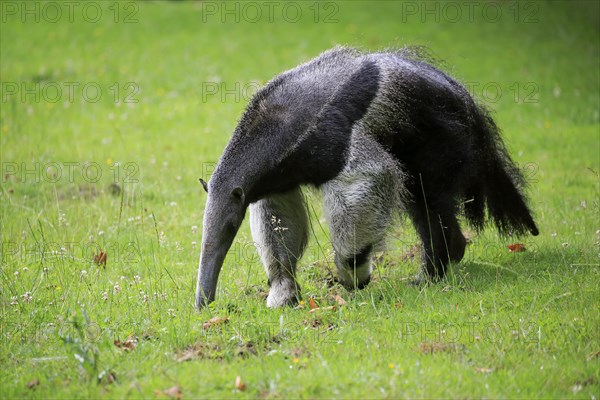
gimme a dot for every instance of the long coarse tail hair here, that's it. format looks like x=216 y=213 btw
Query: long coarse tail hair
x=500 y=187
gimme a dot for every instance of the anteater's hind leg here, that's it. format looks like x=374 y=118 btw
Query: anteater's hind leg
x=279 y=226
x=442 y=240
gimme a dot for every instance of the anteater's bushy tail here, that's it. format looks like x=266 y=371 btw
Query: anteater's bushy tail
x=499 y=186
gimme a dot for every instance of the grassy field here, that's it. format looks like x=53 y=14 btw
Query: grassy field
x=110 y=113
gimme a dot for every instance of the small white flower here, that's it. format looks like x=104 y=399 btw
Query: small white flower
x=83 y=273
x=144 y=296
x=137 y=279
x=14 y=301
x=105 y=295
x=194 y=245
x=276 y=222
x=194 y=229
x=62 y=219
x=171 y=312
x=25 y=269
x=117 y=288
x=16 y=273
x=27 y=297
x=100 y=233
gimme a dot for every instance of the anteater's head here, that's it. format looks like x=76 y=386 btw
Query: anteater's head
x=223 y=215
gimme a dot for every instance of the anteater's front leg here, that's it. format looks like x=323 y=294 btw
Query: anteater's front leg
x=279 y=226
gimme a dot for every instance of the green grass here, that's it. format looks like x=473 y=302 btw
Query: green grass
x=501 y=325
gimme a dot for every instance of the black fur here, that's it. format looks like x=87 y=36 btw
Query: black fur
x=360 y=258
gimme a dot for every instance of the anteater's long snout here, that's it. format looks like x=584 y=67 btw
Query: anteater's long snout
x=211 y=260
x=216 y=241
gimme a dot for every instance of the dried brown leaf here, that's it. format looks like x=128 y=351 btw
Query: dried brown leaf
x=314 y=323
x=516 y=247
x=100 y=259
x=127 y=345
x=198 y=350
x=312 y=304
x=239 y=385
x=215 y=321
x=174 y=392
x=329 y=308
x=32 y=384
x=340 y=300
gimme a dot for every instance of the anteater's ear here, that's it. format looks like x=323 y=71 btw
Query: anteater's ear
x=204 y=184
x=238 y=193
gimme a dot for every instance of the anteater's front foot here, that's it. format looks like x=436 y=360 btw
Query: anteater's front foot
x=354 y=279
x=283 y=292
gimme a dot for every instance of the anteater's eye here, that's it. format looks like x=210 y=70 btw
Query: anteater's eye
x=230 y=228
